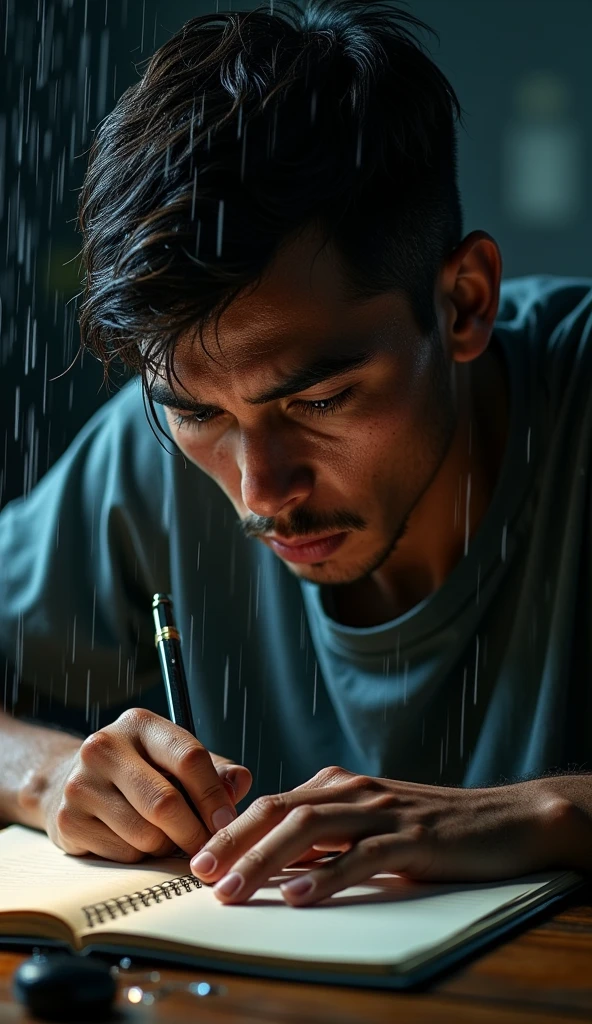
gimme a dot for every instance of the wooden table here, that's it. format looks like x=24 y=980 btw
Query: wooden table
x=543 y=974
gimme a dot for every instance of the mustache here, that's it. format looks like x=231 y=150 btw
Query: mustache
x=301 y=524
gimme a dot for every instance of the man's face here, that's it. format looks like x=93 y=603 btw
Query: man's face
x=345 y=452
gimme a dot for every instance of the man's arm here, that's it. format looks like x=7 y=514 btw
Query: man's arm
x=568 y=800
x=28 y=756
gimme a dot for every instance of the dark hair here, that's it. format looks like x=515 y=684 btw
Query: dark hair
x=246 y=129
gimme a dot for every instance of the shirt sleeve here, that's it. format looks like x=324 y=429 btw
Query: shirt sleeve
x=80 y=558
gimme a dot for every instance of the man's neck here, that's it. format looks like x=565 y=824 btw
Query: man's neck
x=449 y=514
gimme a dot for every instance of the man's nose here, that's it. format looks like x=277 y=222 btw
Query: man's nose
x=273 y=474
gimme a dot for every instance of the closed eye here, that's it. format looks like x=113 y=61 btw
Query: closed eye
x=314 y=407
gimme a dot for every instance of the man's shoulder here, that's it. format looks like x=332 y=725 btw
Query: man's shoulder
x=122 y=431
x=540 y=302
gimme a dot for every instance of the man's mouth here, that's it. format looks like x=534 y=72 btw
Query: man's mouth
x=314 y=549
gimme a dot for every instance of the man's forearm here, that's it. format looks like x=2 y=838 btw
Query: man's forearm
x=28 y=753
x=567 y=810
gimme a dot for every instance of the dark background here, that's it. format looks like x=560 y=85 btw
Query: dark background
x=522 y=71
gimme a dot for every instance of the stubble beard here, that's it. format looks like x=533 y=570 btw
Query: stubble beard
x=438 y=440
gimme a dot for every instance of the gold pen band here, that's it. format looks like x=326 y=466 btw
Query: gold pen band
x=166 y=633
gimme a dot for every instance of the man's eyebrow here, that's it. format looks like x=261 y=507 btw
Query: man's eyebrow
x=325 y=368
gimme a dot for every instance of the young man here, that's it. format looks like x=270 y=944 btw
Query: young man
x=375 y=517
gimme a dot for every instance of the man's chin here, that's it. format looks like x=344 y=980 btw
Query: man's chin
x=328 y=572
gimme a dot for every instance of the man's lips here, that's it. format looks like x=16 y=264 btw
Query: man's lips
x=311 y=550
x=300 y=543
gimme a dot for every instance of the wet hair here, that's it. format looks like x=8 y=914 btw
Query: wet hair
x=246 y=129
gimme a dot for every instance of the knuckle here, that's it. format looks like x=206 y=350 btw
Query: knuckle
x=165 y=802
x=64 y=819
x=96 y=747
x=329 y=776
x=75 y=790
x=254 y=857
x=366 y=783
x=192 y=757
x=265 y=807
x=136 y=718
x=304 y=816
x=383 y=801
x=224 y=841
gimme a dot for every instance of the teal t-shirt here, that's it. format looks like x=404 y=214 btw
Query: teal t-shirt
x=487 y=680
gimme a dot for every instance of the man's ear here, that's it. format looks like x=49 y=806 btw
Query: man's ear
x=467 y=296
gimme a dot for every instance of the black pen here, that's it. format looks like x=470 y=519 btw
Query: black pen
x=168 y=642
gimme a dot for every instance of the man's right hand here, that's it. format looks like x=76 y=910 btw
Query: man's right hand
x=110 y=797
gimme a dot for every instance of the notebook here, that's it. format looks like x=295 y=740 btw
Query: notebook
x=388 y=933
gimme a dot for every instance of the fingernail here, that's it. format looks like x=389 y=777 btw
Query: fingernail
x=222 y=817
x=230 y=885
x=298 y=886
x=204 y=863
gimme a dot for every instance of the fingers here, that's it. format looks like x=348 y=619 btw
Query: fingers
x=118 y=781
x=148 y=795
x=250 y=863
x=237 y=778
x=79 y=833
x=269 y=811
x=179 y=752
x=135 y=830
x=100 y=840
x=398 y=853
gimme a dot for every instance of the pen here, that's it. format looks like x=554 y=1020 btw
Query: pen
x=168 y=643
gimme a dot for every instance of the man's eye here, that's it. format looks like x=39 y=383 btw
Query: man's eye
x=316 y=407
x=326 y=406
x=194 y=419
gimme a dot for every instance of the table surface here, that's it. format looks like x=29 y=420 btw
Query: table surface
x=544 y=973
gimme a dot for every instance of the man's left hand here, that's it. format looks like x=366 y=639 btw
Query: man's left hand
x=379 y=825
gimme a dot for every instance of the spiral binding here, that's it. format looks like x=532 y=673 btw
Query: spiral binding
x=97 y=913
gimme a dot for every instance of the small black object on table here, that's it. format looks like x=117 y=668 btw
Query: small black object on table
x=58 y=986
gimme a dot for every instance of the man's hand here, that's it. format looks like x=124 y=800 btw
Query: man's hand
x=379 y=825
x=111 y=797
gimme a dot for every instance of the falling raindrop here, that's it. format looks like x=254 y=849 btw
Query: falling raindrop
x=220 y=228
x=504 y=541
x=462 y=713
x=467 y=513
x=226 y=672
x=244 y=727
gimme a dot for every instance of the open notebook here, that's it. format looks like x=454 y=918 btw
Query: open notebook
x=387 y=933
